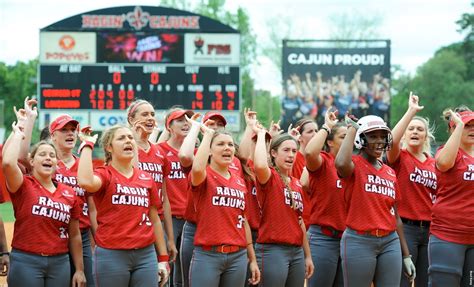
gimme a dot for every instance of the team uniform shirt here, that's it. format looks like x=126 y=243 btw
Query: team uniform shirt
x=280 y=222
x=298 y=165
x=253 y=208
x=370 y=196
x=220 y=205
x=325 y=190
x=453 y=211
x=68 y=176
x=176 y=181
x=151 y=161
x=123 y=206
x=417 y=183
x=42 y=217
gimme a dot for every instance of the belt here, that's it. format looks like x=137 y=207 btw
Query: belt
x=222 y=248
x=331 y=232
x=420 y=223
x=374 y=232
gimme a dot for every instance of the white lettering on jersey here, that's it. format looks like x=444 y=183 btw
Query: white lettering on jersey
x=469 y=174
x=46 y=207
x=424 y=177
x=380 y=185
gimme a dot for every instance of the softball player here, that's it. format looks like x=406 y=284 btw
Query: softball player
x=141 y=117
x=281 y=234
x=63 y=131
x=46 y=222
x=175 y=177
x=222 y=235
x=415 y=170
x=307 y=129
x=370 y=247
x=128 y=223
x=451 y=245
x=327 y=219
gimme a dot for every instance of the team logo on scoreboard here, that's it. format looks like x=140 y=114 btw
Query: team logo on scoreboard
x=67 y=42
x=140 y=19
x=212 y=48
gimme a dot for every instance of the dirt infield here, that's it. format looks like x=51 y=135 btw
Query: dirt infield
x=9 y=232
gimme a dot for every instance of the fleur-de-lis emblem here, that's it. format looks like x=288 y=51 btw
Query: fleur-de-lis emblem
x=138 y=19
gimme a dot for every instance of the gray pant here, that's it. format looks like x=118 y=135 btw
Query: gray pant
x=176 y=276
x=86 y=257
x=212 y=269
x=367 y=258
x=451 y=264
x=27 y=269
x=280 y=265
x=126 y=268
x=417 y=239
x=187 y=247
x=325 y=251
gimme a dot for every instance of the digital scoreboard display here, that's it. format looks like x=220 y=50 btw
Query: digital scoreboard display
x=114 y=87
x=95 y=64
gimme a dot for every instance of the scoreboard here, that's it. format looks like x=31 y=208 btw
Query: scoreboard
x=95 y=64
x=113 y=87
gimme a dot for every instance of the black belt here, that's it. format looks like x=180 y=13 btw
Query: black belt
x=420 y=223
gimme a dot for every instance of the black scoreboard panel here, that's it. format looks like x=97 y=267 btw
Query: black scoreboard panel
x=115 y=86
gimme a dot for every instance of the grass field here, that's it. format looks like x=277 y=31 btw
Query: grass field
x=6 y=211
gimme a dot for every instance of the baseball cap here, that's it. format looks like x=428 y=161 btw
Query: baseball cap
x=60 y=122
x=176 y=115
x=466 y=117
x=212 y=114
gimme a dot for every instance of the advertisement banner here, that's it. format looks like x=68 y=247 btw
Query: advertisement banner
x=354 y=80
x=116 y=47
x=212 y=49
x=67 y=47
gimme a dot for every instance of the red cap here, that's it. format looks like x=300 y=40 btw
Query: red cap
x=177 y=114
x=211 y=114
x=60 y=122
x=466 y=117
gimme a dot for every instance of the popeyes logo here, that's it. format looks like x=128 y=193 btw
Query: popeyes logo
x=67 y=42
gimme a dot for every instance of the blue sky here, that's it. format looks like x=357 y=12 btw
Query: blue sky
x=417 y=28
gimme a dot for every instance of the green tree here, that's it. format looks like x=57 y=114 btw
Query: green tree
x=16 y=83
x=441 y=83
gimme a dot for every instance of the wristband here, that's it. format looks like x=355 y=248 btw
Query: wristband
x=250 y=243
x=86 y=143
x=409 y=256
x=163 y=258
x=326 y=128
x=5 y=253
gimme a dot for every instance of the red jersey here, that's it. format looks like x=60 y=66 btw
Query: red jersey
x=453 y=211
x=176 y=180
x=151 y=161
x=253 y=210
x=220 y=203
x=280 y=222
x=42 y=217
x=68 y=176
x=370 y=196
x=298 y=165
x=417 y=183
x=325 y=190
x=123 y=206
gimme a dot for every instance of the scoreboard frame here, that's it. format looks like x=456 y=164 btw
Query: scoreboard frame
x=92 y=65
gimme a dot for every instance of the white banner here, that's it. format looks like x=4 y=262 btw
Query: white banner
x=212 y=49
x=67 y=47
